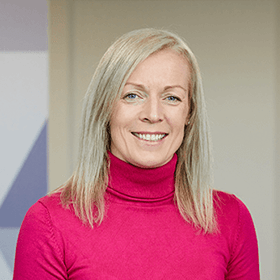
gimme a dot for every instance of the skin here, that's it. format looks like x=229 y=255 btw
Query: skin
x=154 y=101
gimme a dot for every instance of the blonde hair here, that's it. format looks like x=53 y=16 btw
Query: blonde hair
x=86 y=187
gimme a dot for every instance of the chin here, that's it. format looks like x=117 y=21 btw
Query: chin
x=149 y=161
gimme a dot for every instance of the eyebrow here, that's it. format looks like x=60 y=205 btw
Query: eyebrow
x=165 y=88
x=168 y=87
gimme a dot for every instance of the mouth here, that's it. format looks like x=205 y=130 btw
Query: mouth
x=153 y=137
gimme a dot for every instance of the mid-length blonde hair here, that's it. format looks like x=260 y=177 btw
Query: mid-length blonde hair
x=85 y=189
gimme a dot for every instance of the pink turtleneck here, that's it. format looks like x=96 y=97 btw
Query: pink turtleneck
x=143 y=235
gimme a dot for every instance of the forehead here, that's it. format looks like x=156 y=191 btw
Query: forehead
x=165 y=67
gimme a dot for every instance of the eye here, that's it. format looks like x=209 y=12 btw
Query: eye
x=173 y=98
x=131 y=96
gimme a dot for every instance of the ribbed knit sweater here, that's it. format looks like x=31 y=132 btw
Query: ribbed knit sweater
x=143 y=235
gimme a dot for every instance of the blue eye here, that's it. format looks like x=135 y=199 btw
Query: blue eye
x=173 y=98
x=131 y=96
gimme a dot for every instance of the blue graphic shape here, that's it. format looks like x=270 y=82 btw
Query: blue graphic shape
x=29 y=185
x=8 y=241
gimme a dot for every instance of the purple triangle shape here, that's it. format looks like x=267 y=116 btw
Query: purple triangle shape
x=29 y=185
x=8 y=241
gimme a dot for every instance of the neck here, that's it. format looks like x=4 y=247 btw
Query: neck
x=134 y=183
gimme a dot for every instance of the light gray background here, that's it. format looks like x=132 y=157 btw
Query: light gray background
x=237 y=46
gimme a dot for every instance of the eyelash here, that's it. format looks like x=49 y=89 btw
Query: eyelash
x=175 y=98
x=135 y=96
x=129 y=95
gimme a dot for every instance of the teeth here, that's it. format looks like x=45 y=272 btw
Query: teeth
x=149 y=137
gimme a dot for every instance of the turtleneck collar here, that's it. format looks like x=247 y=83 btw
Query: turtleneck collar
x=132 y=183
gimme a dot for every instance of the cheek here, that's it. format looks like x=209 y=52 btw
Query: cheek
x=116 y=134
x=180 y=134
x=179 y=124
x=179 y=138
x=119 y=126
x=114 y=128
x=178 y=119
x=116 y=120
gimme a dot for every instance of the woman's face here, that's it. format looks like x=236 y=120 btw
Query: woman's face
x=147 y=124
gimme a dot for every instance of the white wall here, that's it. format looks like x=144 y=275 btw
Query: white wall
x=235 y=43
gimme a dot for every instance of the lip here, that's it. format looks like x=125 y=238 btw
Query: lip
x=149 y=132
x=141 y=135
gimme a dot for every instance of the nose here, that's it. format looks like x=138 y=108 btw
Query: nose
x=152 y=110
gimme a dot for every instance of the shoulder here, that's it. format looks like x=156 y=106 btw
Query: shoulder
x=40 y=246
x=237 y=228
x=234 y=219
x=232 y=214
x=224 y=198
x=52 y=203
x=228 y=204
x=49 y=204
x=230 y=210
x=50 y=211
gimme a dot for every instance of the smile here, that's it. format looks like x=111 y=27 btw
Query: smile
x=149 y=136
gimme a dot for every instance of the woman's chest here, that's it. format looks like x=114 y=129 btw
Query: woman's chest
x=144 y=246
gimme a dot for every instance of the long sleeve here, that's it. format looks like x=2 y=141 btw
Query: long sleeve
x=140 y=238
x=244 y=263
x=39 y=253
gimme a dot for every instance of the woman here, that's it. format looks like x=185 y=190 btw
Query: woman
x=140 y=205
